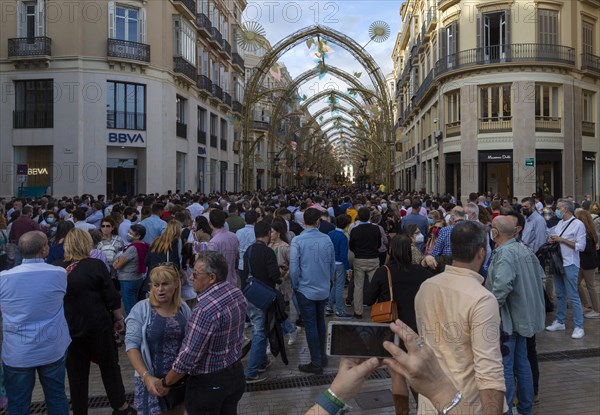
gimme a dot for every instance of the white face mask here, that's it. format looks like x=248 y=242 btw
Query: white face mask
x=419 y=238
x=384 y=205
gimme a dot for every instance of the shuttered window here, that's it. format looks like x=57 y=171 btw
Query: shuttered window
x=547 y=27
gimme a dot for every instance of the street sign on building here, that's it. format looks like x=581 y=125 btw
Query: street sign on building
x=530 y=162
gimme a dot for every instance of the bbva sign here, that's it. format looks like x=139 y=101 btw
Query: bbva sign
x=125 y=138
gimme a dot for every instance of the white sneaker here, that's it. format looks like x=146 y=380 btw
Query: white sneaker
x=578 y=333
x=592 y=314
x=294 y=336
x=555 y=326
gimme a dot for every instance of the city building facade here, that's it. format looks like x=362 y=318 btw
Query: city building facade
x=120 y=97
x=499 y=96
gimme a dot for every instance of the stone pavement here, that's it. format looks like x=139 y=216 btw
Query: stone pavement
x=569 y=380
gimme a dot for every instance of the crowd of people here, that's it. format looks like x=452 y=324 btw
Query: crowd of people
x=177 y=278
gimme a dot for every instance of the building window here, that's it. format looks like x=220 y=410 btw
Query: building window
x=201 y=125
x=126 y=23
x=181 y=117
x=547 y=27
x=213 y=175
x=180 y=171
x=588 y=117
x=223 y=134
x=184 y=37
x=547 y=108
x=126 y=106
x=495 y=113
x=31 y=20
x=223 y=176
x=34 y=104
x=493 y=34
x=214 y=121
x=449 y=44
x=587 y=38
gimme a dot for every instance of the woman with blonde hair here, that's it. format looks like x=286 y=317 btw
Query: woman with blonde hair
x=93 y=312
x=165 y=248
x=588 y=264
x=155 y=332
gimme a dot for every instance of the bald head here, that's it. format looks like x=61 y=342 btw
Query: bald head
x=457 y=213
x=33 y=244
x=506 y=225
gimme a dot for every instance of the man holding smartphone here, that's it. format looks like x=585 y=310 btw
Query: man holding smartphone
x=312 y=266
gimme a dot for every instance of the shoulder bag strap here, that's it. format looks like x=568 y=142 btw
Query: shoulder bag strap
x=389 y=275
x=568 y=224
x=249 y=266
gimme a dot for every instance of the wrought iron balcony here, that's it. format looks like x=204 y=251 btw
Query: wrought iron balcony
x=33 y=119
x=225 y=48
x=217 y=92
x=204 y=25
x=237 y=107
x=238 y=61
x=216 y=37
x=29 y=47
x=204 y=83
x=213 y=141
x=181 y=129
x=226 y=99
x=181 y=66
x=407 y=112
x=189 y=6
x=201 y=137
x=424 y=88
x=516 y=52
x=260 y=125
x=547 y=124
x=124 y=49
x=590 y=62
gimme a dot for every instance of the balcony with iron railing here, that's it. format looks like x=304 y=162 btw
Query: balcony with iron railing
x=431 y=19
x=204 y=25
x=226 y=99
x=238 y=61
x=424 y=88
x=213 y=140
x=225 y=48
x=186 y=7
x=547 y=124
x=495 y=124
x=30 y=48
x=183 y=67
x=126 y=50
x=500 y=54
x=407 y=112
x=237 y=107
x=217 y=92
x=181 y=129
x=260 y=125
x=216 y=37
x=33 y=119
x=204 y=83
x=588 y=128
x=590 y=62
x=201 y=137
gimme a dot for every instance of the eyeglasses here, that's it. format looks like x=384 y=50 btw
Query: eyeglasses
x=196 y=274
x=106 y=226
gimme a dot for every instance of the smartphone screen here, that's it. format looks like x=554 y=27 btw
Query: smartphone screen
x=359 y=340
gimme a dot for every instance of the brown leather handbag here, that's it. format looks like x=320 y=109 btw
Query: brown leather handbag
x=385 y=311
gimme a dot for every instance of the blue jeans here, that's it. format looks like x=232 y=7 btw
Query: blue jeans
x=258 y=350
x=313 y=314
x=517 y=364
x=336 y=295
x=129 y=292
x=19 y=383
x=566 y=285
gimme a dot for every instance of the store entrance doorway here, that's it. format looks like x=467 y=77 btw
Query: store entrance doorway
x=121 y=176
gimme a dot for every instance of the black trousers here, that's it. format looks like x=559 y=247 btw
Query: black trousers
x=533 y=362
x=101 y=348
x=215 y=393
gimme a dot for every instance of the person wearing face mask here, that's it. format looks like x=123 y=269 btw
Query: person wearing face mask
x=130 y=266
x=534 y=233
x=129 y=218
x=415 y=235
x=49 y=224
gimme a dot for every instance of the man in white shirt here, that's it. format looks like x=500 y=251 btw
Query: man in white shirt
x=570 y=233
x=195 y=208
x=129 y=218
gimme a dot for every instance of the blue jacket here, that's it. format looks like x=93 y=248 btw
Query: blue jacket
x=340 y=246
x=312 y=264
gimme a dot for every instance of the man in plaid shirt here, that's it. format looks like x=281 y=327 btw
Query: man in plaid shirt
x=212 y=348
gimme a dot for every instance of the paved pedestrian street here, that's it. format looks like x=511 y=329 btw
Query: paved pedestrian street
x=569 y=380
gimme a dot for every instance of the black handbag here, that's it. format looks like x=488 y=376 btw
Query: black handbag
x=257 y=292
x=549 y=253
x=176 y=395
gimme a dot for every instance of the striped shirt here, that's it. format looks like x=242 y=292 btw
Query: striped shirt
x=214 y=333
